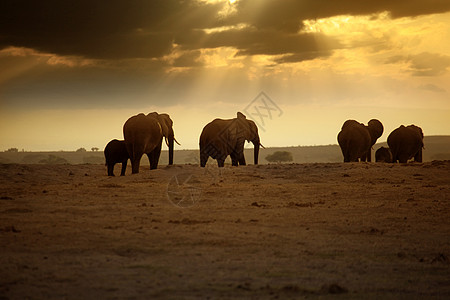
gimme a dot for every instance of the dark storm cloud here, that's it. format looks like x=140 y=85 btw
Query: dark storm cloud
x=287 y=15
x=251 y=41
x=96 y=29
x=119 y=29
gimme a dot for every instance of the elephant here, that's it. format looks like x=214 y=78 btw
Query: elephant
x=221 y=138
x=406 y=142
x=383 y=154
x=116 y=152
x=143 y=134
x=356 y=139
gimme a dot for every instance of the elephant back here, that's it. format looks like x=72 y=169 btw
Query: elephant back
x=218 y=135
x=401 y=135
x=141 y=124
x=350 y=124
x=405 y=142
x=354 y=140
x=141 y=134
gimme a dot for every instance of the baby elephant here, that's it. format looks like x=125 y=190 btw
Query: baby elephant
x=116 y=152
x=383 y=154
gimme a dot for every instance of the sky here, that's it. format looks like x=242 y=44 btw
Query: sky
x=72 y=72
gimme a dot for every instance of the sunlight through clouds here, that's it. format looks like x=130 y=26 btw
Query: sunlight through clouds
x=212 y=57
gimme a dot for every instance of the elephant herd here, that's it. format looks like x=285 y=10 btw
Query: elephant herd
x=144 y=134
x=356 y=141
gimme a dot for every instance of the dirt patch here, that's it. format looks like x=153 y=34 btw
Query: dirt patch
x=359 y=230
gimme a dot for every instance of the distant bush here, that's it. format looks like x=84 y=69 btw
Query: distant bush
x=94 y=149
x=53 y=160
x=81 y=150
x=95 y=160
x=279 y=157
x=12 y=150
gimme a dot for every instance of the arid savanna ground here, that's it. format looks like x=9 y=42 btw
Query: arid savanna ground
x=317 y=230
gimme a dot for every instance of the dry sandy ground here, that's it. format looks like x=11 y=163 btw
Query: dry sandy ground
x=357 y=230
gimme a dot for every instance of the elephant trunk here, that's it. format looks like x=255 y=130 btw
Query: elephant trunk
x=256 y=151
x=171 y=142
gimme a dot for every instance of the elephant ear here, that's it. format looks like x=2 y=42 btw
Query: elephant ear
x=416 y=129
x=376 y=128
x=243 y=125
x=162 y=119
x=253 y=132
x=241 y=116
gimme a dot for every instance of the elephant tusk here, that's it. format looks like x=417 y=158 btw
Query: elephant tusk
x=167 y=143
x=262 y=146
x=176 y=141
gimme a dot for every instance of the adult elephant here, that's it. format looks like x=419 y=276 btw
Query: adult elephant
x=383 y=154
x=143 y=134
x=406 y=142
x=356 y=139
x=221 y=138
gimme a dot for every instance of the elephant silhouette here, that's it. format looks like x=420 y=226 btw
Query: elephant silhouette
x=356 y=139
x=221 y=138
x=143 y=134
x=116 y=152
x=406 y=142
x=383 y=154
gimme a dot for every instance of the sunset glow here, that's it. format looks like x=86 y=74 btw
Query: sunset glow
x=199 y=60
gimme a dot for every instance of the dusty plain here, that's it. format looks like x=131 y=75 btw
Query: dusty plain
x=287 y=231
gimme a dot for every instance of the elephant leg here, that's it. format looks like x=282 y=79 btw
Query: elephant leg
x=124 y=168
x=110 y=169
x=403 y=159
x=154 y=157
x=150 y=159
x=242 y=161
x=221 y=163
x=346 y=155
x=349 y=157
x=135 y=164
x=369 y=155
x=203 y=158
x=234 y=159
x=418 y=156
x=394 y=156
